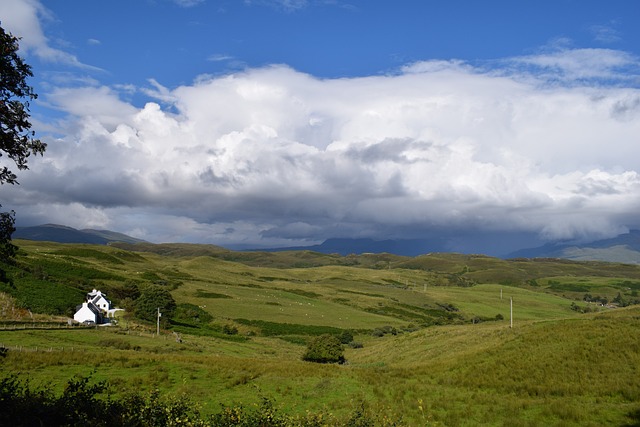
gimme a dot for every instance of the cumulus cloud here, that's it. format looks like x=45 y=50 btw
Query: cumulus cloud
x=273 y=156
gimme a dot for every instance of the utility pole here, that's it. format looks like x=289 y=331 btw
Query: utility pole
x=511 y=315
x=158 y=324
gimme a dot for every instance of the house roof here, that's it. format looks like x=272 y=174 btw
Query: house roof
x=91 y=306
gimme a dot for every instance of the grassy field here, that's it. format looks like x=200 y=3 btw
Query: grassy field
x=435 y=346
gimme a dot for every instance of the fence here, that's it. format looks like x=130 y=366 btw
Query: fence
x=23 y=349
x=41 y=325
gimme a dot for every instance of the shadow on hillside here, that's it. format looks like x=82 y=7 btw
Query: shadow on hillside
x=635 y=419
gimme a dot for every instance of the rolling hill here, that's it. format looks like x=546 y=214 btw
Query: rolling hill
x=432 y=338
x=624 y=248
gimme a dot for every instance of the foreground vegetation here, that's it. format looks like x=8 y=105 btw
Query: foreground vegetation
x=429 y=342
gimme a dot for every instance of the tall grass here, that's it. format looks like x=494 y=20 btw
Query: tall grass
x=555 y=367
x=571 y=372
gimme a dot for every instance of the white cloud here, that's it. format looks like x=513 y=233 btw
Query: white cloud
x=23 y=19
x=220 y=57
x=606 y=34
x=275 y=156
x=92 y=103
x=188 y=3
x=580 y=65
x=286 y=5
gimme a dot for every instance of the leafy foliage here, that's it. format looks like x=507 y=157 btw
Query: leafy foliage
x=82 y=403
x=7 y=226
x=191 y=314
x=324 y=349
x=16 y=139
x=271 y=329
x=152 y=298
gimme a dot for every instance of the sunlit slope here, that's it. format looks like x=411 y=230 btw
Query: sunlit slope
x=485 y=269
x=374 y=291
x=582 y=371
x=336 y=296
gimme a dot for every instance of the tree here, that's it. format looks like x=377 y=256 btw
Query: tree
x=17 y=140
x=324 y=349
x=152 y=298
x=7 y=227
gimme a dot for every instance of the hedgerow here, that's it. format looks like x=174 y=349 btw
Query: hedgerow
x=270 y=329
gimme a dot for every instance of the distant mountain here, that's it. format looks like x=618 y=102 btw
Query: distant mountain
x=62 y=234
x=409 y=247
x=624 y=248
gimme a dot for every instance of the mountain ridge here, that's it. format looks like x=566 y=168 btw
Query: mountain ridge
x=624 y=248
x=346 y=246
x=64 y=234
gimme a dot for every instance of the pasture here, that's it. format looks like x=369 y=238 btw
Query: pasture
x=431 y=348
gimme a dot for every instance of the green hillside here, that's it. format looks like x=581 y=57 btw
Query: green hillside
x=432 y=336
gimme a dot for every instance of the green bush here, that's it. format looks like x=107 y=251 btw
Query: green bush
x=152 y=298
x=191 y=314
x=346 y=337
x=230 y=330
x=82 y=404
x=273 y=329
x=324 y=349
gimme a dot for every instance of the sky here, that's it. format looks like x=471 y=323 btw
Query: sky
x=490 y=126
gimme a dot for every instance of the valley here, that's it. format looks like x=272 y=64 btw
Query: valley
x=432 y=337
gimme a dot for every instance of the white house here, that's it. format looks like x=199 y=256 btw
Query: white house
x=99 y=300
x=96 y=308
x=87 y=312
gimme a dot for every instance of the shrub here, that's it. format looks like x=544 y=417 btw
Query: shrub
x=324 y=349
x=82 y=403
x=273 y=329
x=152 y=298
x=346 y=337
x=384 y=330
x=230 y=330
x=191 y=314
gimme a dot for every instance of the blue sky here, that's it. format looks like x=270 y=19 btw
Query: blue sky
x=285 y=122
x=135 y=41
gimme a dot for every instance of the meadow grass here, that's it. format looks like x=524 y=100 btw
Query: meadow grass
x=490 y=300
x=554 y=367
x=580 y=371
